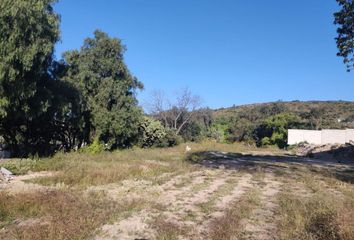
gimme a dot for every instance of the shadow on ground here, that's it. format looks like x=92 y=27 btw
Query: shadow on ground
x=279 y=165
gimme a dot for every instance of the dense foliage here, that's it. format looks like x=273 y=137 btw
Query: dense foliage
x=345 y=40
x=152 y=132
x=28 y=32
x=274 y=129
x=107 y=91
x=45 y=105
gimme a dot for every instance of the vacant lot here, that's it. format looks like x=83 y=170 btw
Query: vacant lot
x=214 y=192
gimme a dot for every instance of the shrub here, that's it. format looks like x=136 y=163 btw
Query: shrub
x=192 y=132
x=151 y=132
x=274 y=129
x=169 y=140
x=94 y=148
x=265 y=141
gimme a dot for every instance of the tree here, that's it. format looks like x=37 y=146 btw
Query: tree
x=28 y=33
x=345 y=39
x=175 y=115
x=107 y=90
x=187 y=105
x=69 y=129
x=192 y=132
x=158 y=106
x=241 y=130
x=199 y=126
x=274 y=130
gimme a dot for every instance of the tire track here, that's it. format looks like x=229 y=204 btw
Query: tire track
x=137 y=225
x=243 y=185
x=188 y=204
x=262 y=223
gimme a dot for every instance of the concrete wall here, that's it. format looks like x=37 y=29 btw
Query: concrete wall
x=333 y=136
x=349 y=135
x=326 y=136
x=311 y=136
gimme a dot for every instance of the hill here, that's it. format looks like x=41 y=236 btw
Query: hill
x=319 y=114
x=267 y=123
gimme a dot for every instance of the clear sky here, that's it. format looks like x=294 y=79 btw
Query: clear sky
x=227 y=51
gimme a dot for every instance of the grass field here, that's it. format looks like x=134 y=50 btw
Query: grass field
x=216 y=191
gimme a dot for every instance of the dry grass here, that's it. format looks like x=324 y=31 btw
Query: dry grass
x=83 y=170
x=59 y=214
x=327 y=213
x=167 y=230
x=323 y=209
x=52 y=215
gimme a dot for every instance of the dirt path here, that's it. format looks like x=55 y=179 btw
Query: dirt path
x=137 y=225
x=179 y=198
x=182 y=205
x=262 y=223
x=188 y=205
x=243 y=185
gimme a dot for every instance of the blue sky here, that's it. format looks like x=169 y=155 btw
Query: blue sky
x=227 y=51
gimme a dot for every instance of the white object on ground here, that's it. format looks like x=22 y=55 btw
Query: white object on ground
x=6 y=173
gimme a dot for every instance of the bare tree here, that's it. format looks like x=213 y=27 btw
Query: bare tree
x=158 y=106
x=177 y=114
x=186 y=103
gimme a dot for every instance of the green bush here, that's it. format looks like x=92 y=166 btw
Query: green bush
x=93 y=148
x=170 y=139
x=219 y=132
x=274 y=130
x=151 y=132
x=265 y=141
x=192 y=132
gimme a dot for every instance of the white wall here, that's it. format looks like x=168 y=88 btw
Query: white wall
x=349 y=135
x=311 y=136
x=333 y=136
x=326 y=136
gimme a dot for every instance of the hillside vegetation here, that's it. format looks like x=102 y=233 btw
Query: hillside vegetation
x=267 y=123
x=320 y=114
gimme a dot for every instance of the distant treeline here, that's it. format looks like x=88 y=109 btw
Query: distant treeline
x=267 y=123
